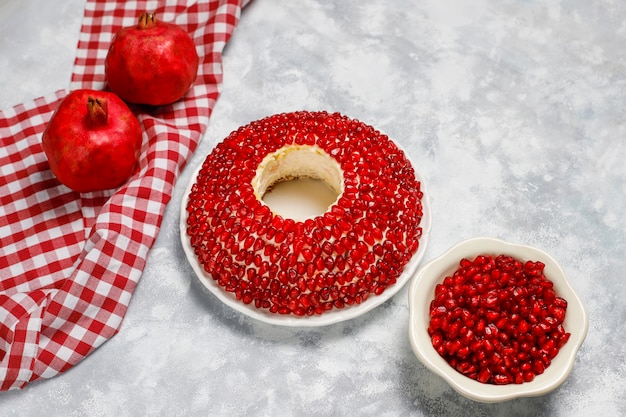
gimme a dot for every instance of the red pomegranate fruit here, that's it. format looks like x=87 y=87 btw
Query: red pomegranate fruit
x=152 y=63
x=92 y=141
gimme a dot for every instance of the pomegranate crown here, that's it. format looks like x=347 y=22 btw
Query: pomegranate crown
x=147 y=20
x=97 y=111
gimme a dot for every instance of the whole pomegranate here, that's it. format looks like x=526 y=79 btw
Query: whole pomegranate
x=151 y=63
x=92 y=141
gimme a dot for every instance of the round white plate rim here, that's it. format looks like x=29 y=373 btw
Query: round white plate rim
x=554 y=375
x=329 y=317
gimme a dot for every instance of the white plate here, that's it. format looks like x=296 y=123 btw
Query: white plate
x=329 y=317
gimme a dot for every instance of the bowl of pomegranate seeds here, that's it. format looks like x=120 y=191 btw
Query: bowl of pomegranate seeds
x=496 y=320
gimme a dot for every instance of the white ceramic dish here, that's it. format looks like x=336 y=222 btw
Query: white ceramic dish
x=329 y=317
x=421 y=292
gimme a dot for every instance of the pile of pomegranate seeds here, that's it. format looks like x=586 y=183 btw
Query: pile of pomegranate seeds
x=498 y=320
x=357 y=248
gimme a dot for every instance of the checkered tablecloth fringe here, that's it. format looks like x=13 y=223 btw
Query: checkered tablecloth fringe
x=69 y=262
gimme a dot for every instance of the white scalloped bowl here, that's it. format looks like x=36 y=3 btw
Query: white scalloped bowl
x=421 y=292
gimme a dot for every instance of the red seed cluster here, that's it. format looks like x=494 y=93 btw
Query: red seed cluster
x=498 y=320
x=358 y=247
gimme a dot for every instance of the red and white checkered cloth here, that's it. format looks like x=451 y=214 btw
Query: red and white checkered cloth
x=69 y=262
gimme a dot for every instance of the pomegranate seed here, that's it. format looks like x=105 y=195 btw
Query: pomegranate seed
x=484 y=375
x=497 y=320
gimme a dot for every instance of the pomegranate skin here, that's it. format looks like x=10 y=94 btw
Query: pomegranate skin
x=92 y=141
x=153 y=62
